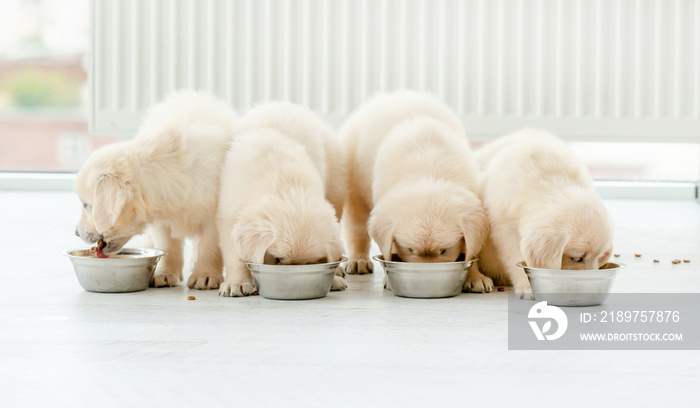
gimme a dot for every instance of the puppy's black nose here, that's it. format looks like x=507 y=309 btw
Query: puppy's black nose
x=76 y=233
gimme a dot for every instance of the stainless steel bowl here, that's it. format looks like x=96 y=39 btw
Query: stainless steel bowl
x=129 y=270
x=294 y=282
x=425 y=280
x=572 y=287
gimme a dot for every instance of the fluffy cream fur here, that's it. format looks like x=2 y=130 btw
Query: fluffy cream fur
x=411 y=183
x=166 y=178
x=542 y=208
x=282 y=194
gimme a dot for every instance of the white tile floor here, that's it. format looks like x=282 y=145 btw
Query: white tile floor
x=62 y=346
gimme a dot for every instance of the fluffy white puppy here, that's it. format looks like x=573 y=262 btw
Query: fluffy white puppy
x=165 y=178
x=282 y=195
x=542 y=208
x=412 y=183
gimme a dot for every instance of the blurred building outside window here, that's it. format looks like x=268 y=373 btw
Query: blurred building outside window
x=43 y=85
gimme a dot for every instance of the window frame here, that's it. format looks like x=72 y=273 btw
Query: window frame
x=638 y=190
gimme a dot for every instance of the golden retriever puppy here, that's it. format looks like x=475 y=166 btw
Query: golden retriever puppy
x=282 y=194
x=165 y=179
x=411 y=185
x=542 y=208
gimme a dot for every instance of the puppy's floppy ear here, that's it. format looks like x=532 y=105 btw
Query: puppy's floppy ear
x=543 y=247
x=111 y=194
x=381 y=229
x=605 y=257
x=475 y=227
x=253 y=236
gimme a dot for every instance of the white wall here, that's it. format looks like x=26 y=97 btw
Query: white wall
x=623 y=70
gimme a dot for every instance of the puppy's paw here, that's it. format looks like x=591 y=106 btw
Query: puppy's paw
x=164 y=279
x=478 y=284
x=237 y=289
x=339 y=284
x=523 y=291
x=358 y=266
x=204 y=281
x=340 y=272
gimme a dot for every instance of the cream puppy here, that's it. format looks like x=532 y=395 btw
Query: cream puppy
x=282 y=195
x=411 y=183
x=542 y=208
x=167 y=179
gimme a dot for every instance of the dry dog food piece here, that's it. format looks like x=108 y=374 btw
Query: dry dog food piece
x=98 y=249
x=617 y=255
x=676 y=261
x=686 y=260
x=656 y=261
x=638 y=255
x=501 y=289
x=99 y=253
x=256 y=293
x=191 y=298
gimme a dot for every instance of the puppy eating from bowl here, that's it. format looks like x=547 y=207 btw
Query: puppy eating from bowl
x=164 y=180
x=542 y=208
x=282 y=194
x=412 y=183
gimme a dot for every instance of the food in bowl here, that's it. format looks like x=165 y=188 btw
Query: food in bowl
x=425 y=280
x=294 y=282
x=572 y=287
x=129 y=270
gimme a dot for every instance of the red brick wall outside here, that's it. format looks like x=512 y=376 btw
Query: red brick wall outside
x=71 y=67
x=46 y=144
x=44 y=139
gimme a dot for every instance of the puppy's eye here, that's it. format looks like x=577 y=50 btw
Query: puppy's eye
x=443 y=251
x=411 y=250
x=579 y=259
x=277 y=261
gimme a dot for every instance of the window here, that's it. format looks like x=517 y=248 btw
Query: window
x=43 y=85
x=618 y=79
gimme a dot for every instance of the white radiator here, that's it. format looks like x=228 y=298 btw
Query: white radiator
x=623 y=70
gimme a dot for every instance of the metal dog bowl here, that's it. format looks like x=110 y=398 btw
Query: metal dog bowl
x=129 y=270
x=572 y=287
x=294 y=282
x=425 y=280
